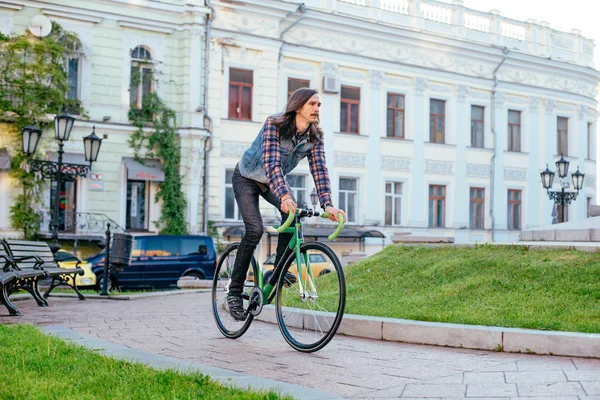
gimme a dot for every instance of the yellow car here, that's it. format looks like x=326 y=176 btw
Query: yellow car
x=67 y=260
x=318 y=264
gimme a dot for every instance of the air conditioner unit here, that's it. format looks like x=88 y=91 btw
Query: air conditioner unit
x=331 y=84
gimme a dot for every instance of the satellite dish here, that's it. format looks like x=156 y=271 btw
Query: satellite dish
x=40 y=26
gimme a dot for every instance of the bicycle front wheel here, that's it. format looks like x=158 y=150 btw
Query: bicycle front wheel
x=227 y=325
x=310 y=305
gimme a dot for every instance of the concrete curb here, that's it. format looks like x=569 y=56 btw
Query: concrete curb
x=223 y=376
x=513 y=340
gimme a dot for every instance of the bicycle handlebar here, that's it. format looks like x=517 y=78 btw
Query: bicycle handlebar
x=335 y=234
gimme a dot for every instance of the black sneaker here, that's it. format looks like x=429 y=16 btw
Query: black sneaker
x=236 y=307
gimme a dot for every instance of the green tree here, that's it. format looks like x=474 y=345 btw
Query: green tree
x=33 y=83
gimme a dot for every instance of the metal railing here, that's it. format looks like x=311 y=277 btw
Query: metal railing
x=79 y=223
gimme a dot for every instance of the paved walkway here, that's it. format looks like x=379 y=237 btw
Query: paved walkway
x=182 y=327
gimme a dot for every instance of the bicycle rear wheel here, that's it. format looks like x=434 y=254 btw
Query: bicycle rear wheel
x=309 y=311
x=228 y=326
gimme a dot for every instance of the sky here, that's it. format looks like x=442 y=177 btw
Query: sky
x=562 y=16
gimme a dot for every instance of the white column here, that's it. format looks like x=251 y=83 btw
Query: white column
x=531 y=143
x=579 y=206
x=375 y=131
x=193 y=190
x=549 y=135
x=328 y=113
x=461 y=192
x=500 y=199
x=419 y=192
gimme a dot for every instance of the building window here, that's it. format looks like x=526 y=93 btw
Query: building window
x=231 y=207
x=297 y=184
x=591 y=154
x=437 y=206
x=514 y=210
x=514 y=130
x=393 y=202
x=295 y=84
x=241 y=82
x=350 y=110
x=476 y=208
x=437 y=115
x=395 y=115
x=349 y=197
x=141 y=77
x=477 y=126
x=559 y=213
x=562 y=132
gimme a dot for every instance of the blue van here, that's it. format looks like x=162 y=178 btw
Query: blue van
x=159 y=262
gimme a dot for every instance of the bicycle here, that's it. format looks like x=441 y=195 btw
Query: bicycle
x=309 y=308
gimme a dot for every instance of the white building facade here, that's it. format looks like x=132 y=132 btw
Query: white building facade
x=438 y=119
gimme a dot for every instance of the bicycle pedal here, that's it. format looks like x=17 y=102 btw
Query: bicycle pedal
x=256 y=301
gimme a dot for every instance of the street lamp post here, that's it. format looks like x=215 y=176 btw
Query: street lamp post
x=63 y=124
x=314 y=198
x=561 y=197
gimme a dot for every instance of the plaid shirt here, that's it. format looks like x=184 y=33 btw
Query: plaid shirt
x=272 y=163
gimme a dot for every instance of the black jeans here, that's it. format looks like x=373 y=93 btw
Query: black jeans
x=246 y=192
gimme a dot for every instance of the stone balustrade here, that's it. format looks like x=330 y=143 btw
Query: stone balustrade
x=455 y=20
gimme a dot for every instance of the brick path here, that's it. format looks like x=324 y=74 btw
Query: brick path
x=182 y=326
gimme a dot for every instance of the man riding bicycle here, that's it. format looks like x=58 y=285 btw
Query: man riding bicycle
x=284 y=140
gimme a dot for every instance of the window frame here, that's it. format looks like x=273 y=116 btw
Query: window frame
x=343 y=193
x=396 y=110
x=141 y=64
x=432 y=132
x=345 y=102
x=511 y=145
x=511 y=208
x=436 y=199
x=559 y=133
x=240 y=86
x=393 y=195
x=296 y=189
x=482 y=124
x=291 y=79
x=477 y=215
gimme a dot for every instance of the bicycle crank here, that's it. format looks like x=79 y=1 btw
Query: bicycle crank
x=256 y=301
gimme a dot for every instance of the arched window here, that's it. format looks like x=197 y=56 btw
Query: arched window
x=72 y=65
x=141 y=77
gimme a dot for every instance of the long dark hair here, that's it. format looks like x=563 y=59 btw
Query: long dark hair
x=286 y=121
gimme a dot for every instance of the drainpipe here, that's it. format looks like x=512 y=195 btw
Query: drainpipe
x=208 y=143
x=302 y=9
x=493 y=121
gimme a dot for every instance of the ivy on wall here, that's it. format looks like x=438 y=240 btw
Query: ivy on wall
x=33 y=83
x=162 y=141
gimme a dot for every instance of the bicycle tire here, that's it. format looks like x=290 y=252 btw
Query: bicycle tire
x=308 y=324
x=227 y=325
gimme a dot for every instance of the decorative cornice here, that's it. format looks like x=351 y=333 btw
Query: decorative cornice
x=462 y=92
x=421 y=84
x=581 y=111
x=395 y=163
x=479 y=170
x=350 y=160
x=534 y=104
x=147 y=26
x=375 y=79
x=550 y=106
x=70 y=15
x=232 y=149
x=439 y=167
x=515 y=174
x=11 y=6
x=590 y=180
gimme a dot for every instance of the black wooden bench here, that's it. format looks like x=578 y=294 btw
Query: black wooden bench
x=12 y=279
x=29 y=255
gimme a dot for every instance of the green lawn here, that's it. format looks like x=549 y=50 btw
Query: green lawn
x=38 y=366
x=483 y=285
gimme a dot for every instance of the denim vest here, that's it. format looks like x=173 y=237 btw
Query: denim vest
x=291 y=153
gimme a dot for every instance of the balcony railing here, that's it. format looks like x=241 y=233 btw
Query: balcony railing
x=78 y=224
x=457 y=21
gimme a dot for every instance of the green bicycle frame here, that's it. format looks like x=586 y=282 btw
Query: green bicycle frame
x=294 y=246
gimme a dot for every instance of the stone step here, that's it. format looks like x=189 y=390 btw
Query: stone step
x=561 y=235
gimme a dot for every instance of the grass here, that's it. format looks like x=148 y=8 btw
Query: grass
x=489 y=285
x=35 y=365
